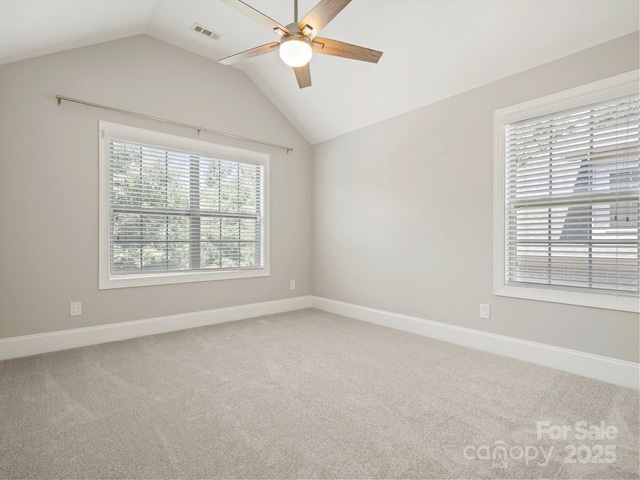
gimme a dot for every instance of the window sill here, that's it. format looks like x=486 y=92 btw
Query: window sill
x=178 y=277
x=596 y=300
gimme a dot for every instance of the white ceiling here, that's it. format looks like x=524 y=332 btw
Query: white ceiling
x=432 y=48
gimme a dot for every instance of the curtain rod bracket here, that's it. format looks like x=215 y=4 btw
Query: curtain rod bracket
x=59 y=98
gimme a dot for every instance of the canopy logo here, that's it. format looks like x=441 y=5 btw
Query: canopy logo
x=500 y=453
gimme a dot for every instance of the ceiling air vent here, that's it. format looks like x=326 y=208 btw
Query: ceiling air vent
x=205 y=31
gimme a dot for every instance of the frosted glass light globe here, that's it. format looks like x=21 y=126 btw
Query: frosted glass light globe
x=295 y=50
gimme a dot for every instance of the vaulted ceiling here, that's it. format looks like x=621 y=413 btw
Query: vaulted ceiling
x=432 y=48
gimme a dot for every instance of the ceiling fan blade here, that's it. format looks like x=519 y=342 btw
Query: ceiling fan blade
x=303 y=75
x=322 y=14
x=255 y=15
x=346 y=50
x=254 y=52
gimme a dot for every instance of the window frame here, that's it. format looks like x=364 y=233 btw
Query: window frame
x=108 y=130
x=619 y=85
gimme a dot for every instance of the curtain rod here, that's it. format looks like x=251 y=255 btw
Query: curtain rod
x=158 y=119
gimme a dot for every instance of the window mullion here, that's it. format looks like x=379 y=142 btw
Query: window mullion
x=141 y=216
x=166 y=204
x=550 y=216
x=194 y=217
x=590 y=208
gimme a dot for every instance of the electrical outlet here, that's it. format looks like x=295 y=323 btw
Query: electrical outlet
x=75 y=308
x=485 y=311
x=292 y=284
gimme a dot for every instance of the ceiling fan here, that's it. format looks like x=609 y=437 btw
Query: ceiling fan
x=299 y=39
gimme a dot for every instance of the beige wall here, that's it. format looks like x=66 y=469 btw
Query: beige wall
x=403 y=219
x=402 y=210
x=49 y=180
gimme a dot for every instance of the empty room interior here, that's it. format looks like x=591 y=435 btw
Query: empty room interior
x=319 y=239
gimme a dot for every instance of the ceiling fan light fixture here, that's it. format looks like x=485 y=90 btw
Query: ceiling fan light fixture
x=295 y=50
x=300 y=38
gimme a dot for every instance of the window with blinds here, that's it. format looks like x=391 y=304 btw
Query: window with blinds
x=571 y=199
x=177 y=206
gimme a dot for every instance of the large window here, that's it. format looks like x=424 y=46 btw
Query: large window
x=568 y=202
x=178 y=210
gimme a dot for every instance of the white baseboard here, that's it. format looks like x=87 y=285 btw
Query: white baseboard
x=14 y=347
x=618 y=372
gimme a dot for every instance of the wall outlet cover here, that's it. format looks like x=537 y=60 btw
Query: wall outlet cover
x=75 y=308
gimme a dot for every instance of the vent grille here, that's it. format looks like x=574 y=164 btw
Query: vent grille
x=207 y=32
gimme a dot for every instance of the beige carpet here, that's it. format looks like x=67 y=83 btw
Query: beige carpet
x=305 y=394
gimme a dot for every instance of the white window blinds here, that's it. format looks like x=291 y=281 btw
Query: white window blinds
x=571 y=198
x=177 y=211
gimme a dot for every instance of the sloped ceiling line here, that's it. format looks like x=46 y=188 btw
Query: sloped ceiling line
x=433 y=49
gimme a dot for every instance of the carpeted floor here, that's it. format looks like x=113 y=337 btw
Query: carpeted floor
x=305 y=394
